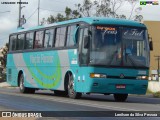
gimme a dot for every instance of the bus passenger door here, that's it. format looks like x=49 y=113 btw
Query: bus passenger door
x=83 y=59
x=83 y=50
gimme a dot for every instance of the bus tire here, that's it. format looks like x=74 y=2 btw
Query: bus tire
x=120 y=97
x=71 y=92
x=22 y=87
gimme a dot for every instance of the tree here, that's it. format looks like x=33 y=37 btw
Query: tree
x=3 y=61
x=69 y=14
x=108 y=8
x=138 y=18
x=51 y=19
x=136 y=10
x=99 y=8
x=85 y=8
x=3 y=58
x=59 y=17
x=76 y=14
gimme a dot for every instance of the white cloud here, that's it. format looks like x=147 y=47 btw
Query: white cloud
x=6 y=24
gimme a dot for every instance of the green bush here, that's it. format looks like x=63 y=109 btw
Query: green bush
x=156 y=94
x=149 y=92
x=2 y=77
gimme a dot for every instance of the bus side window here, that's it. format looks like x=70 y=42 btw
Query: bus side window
x=48 y=41
x=20 y=42
x=70 y=35
x=12 y=44
x=29 y=40
x=83 y=51
x=38 y=43
x=60 y=37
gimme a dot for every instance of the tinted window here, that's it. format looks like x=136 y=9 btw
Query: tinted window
x=38 y=43
x=84 y=50
x=60 y=37
x=70 y=36
x=49 y=35
x=29 y=40
x=12 y=45
x=20 y=42
x=80 y=39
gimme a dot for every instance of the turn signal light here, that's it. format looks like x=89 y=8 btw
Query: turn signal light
x=95 y=75
x=142 y=77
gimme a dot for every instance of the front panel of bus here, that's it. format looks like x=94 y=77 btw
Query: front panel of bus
x=113 y=59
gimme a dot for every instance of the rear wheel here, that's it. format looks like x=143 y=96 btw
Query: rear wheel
x=71 y=92
x=22 y=87
x=120 y=97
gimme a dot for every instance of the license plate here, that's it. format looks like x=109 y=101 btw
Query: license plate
x=120 y=86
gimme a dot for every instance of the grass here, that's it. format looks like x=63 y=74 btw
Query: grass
x=149 y=92
x=156 y=94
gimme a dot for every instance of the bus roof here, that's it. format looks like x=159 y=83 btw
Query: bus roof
x=91 y=21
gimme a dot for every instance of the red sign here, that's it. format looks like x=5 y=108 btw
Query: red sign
x=120 y=86
x=106 y=28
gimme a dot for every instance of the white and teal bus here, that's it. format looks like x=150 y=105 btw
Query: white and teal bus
x=85 y=55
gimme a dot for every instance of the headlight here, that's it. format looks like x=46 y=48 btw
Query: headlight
x=142 y=77
x=95 y=75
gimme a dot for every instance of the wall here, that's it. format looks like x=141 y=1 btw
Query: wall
x=154 y=32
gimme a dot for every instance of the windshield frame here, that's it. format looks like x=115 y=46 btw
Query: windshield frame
x=122 y=52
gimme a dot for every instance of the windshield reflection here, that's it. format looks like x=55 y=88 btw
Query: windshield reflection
x=112 y=46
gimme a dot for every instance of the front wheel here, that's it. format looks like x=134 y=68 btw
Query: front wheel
x=120 y=97
x=22 y=87
x=71 y=92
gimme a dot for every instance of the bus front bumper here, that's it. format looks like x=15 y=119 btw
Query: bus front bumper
x=121 y=86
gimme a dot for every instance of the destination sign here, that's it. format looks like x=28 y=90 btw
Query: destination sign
x=107 y=30
x=133 y=34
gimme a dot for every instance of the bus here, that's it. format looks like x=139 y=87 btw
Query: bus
x=81 y=56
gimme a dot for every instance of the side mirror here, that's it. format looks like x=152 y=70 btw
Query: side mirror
x=151 y=45
x=86 y=42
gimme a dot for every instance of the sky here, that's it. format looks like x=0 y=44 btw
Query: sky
x=9 y=20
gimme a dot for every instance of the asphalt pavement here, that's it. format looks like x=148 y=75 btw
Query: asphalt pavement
x=88 y=107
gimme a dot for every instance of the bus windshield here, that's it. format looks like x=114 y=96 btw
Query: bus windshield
x=119 y=46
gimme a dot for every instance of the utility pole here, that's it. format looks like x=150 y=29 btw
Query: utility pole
x=38 y=10
x=19 y=21
x=158 y=59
